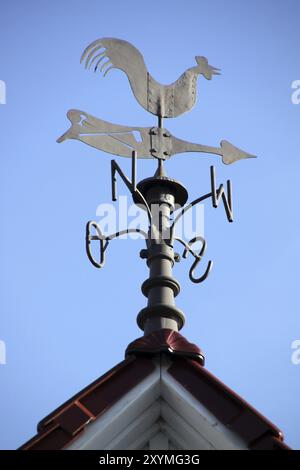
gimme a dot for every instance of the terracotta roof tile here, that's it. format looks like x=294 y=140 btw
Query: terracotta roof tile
x=226 y=405
x=58 y=429
x=166 y=341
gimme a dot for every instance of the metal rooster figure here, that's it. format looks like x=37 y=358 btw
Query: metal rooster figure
x=164 y=101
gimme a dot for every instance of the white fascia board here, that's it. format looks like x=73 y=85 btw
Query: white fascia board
x=145 y=437
x=139 y=431
x=158 y=404
x=104 y=431
x=180 y=431
x=196 y=415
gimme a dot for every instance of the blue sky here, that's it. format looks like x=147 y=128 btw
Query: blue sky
x=65 y=323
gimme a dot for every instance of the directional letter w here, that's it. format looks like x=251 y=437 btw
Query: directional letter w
x=217 y=194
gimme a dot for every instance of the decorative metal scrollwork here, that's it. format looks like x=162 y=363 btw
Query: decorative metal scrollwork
x=197 y=256
x=104 y=241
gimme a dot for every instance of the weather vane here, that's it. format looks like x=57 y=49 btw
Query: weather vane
x=164 y=101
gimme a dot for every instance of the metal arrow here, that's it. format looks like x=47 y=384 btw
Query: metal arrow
x=148 y=142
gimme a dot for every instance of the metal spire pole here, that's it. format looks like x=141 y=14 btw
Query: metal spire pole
x=161 y=288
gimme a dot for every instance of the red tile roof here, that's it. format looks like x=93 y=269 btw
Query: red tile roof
x=165 y=341
x=67 y=422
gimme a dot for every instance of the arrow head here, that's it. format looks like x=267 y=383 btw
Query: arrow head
x=231 y=154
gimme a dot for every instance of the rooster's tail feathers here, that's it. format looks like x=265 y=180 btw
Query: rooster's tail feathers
x=120 y=54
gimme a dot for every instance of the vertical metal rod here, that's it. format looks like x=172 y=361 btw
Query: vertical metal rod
x=228 y=202
x=133 y=170
x=229 y=194
x=113 y=181
x=160 y=166
x=213 y=186
x=160 y=122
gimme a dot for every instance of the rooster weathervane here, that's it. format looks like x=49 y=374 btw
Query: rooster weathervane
x=164 y=101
